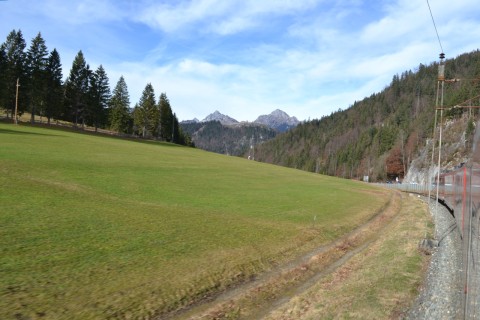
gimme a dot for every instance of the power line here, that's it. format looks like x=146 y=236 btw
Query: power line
x=433 y=20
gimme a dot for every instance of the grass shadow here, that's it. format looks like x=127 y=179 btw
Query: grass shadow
x=8 y=131
x=125 y=137
x=80 y=130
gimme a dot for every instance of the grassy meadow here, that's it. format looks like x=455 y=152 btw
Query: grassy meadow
x=95 y=227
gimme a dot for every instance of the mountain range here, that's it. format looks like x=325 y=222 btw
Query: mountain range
x=277 y=120
x=223 y=134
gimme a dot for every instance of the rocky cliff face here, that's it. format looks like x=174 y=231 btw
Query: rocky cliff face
x=456 y=150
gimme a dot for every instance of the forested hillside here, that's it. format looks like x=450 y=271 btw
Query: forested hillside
x=380 y=135
x=234 y=140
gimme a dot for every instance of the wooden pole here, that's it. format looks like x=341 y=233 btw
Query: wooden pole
x=16 y=101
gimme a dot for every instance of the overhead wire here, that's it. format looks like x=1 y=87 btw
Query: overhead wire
x=435 y=26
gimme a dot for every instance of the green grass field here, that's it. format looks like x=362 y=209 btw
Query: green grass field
x=97 y=227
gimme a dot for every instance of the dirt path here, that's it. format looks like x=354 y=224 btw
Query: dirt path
x=255 y=299
x=380 y=282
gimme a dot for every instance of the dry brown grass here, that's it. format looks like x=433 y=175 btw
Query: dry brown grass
x=378 y=283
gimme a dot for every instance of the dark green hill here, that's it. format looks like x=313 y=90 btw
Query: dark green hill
x=233 y=139
x=380 y=135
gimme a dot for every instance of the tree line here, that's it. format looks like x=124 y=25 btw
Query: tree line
x=84 y=98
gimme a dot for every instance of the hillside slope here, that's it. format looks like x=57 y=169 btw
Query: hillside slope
x=380 y=135
x=99 y=227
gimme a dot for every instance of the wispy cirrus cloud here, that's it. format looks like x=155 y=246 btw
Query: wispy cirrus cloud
x=216 y=16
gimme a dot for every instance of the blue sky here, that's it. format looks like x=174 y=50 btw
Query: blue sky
x=249 y=57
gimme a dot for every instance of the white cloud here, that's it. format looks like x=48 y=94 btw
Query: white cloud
x=205 y=69
x=391 y=63
x=79 y=12
x=169 y=17
x=194 y=88
x=249 y=57
x=217 y=16
x=322 y=67
x=232 y=25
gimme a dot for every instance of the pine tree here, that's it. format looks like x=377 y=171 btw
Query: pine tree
x=166 y=118
x=176 y=137
x=54 y=94
x=3 y=70
x=179 y=136
x=76 y=89
x=36 y=66
x=14 y=48
x=98 y=98
x=148 y=112
x=119 y=106
x=137 y=116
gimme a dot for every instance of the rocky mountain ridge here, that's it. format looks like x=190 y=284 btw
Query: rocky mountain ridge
x=222 y=118
x=277 y=120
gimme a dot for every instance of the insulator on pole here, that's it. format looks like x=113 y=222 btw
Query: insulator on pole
x=441 y=68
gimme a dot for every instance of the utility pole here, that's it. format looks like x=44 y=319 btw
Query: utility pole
x=16 y=101
x=441 y=80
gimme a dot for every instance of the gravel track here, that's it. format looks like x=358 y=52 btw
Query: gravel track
x=441 y=297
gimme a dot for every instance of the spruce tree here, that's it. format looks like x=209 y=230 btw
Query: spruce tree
x=175 y=130
x=54 y=94
x=166 y=118
x=3 y=69
x=76 y=89
x=36 y=65
x=137 y=116
x=14 y=48
x=98 y=98
x=119 y=107
x=148 y=112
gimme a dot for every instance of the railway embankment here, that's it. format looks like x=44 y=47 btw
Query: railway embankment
x=441 y=296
